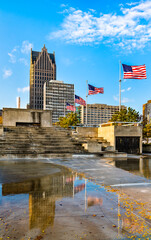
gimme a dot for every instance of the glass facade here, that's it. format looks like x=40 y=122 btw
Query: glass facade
x=97 y=113
x=42 y=69
x=56 y=94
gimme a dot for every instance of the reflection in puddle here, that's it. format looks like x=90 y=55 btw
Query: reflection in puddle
x=59 y=202
x=141 y=167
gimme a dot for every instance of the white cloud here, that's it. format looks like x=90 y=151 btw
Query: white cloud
x=132 y=3
x=63 y=5
x=7 y=73
x=125 y=100
x=123 y=90
x=26 y=47
x=24 y=61
x=130 y=29
x=18 y=51
x=92 y=10
x=25 y=89
x=68 y=10
x=129 y=88
x=12 y=58
x=12 y=55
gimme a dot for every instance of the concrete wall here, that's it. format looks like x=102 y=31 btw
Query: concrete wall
x=129 y=131
x=11 y=116
x=111 y=132
x=88 y=131
x=1 y=129
x=107 y=132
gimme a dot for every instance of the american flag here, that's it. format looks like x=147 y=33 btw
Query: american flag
x=70 y=107
x=94 y=90
x=134 y=72
x=80 y=100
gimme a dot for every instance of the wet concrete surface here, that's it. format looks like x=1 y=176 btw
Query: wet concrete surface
x=79 y=197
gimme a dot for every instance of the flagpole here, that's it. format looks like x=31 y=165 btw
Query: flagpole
x=86 y=100
x=74 y=102
x=85 y=195
x=64 y=109
x=120 y=86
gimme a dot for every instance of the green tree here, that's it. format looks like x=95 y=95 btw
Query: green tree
x=147 y=131
x=126 y=115
x=71 y=119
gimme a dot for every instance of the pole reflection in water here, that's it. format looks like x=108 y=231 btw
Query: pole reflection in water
x=62 y=198
x=141 y=166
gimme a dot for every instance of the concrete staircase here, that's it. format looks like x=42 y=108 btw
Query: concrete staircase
x=104 y=144
x=32 y=142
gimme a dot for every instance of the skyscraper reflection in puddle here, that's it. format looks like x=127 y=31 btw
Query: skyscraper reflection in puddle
x=43 y=194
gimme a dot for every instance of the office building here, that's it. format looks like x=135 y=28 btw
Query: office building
x=147 y=111
x=97 y=113
x=42 y=69
x=56 y=94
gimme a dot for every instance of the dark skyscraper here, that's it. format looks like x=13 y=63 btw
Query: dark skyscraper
x=42 y=69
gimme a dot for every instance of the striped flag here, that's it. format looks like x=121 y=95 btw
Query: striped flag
x=94 y=90
x=134 y=72
x=70 y=107
x=80 y=100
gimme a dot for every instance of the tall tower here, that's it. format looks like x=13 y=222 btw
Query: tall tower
x=42 y=69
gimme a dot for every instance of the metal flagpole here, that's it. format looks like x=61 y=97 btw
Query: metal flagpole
x=64 y=109
x=73 y=184
x=119 y=215
x=85 y=195
x=86 y=101
x=120 y=86
x=74 y=103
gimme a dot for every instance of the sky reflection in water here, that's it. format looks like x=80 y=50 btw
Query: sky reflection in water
x=38 y=202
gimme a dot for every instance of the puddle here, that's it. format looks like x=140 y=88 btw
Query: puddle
x=141 y=166
x=44 y=201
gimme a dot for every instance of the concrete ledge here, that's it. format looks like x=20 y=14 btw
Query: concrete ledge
x=87 y=131
x=92 y=147
x=114 y=154
x=14 y=116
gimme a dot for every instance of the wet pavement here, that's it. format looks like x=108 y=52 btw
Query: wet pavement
x=79 y=197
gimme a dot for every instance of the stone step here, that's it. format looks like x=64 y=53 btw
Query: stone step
x=28 y=141
x=36 y=136
x=37 y=146
x=64 y=150
x=34 y=139
x=18 y=130
x=37 y=133
x=37 y=141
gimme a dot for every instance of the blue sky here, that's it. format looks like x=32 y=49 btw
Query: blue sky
x=89 y=39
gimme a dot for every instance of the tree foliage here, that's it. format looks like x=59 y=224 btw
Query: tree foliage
x=126 y=115
x=71 y=119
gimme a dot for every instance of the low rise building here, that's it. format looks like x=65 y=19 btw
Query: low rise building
x=56 y=94
x=97 y=113
x=147 y=111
